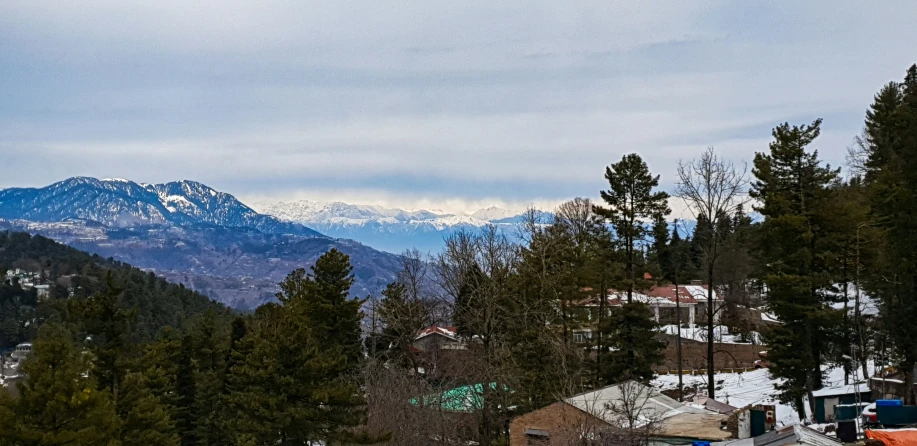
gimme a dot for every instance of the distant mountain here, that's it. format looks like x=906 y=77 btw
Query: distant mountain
x=124 y=203
x=186 y=232
x=236 y=266
x=390 y=229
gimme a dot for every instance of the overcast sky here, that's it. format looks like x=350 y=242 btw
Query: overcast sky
x=449 y=104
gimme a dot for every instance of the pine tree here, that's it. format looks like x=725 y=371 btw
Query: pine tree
x=791 y=184
x=210 y=350
x=880 y=132
x=634 y=348
x=60 y=404
x=893 y=160
x=297 y=383
x=186 y=391
x=660 y=255
x=630 y=200
x=146 y=420
x=402 y=318
x=107 y=323
x=464 y=314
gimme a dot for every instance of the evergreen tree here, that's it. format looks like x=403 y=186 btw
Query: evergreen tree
x=464 y=313
x=634 y=348
x=630 y=201
x=298 y=380
x=660 y=255
x=146 y=420
x=791 y=184
x=402 y=318
x=59 y=404
x=893 y=160
x=880 y=134
x=186 y=391
x=107 y=325
x=210 y=350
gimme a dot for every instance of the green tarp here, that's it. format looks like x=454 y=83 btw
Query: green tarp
x=460 y=399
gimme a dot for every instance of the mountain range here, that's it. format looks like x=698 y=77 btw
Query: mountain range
x=186 y=232
x=119 y=203
x=390 y=229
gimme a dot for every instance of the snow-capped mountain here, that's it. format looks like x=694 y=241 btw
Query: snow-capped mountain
x=388 y=229
x=117 y=202
x=187 y=232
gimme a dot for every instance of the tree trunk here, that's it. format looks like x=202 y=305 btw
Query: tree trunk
x=681 y=391
x=800 y=408
x=809 y=393
x=711 y=384
x=908 y=383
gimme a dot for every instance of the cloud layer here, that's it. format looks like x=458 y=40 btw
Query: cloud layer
x=426 y=101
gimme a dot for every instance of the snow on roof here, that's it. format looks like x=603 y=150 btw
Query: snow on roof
x=841 y=390
x=646 y=402
x=738 y=389
x=769 y=317
x=449 y=332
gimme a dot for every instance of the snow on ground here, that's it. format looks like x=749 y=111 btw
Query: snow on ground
x=737 y=389
x=757 y=387
x=721 y=334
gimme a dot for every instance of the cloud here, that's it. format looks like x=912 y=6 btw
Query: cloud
x=416 y=102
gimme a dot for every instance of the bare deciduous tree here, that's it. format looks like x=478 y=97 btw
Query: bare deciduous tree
x=713 y=188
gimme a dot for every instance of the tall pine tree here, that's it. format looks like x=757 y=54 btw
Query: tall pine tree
x=791 y=185
x=630 y=200
x=892 y=162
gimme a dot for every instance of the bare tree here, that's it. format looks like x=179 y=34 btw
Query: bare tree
x=475 y=273
x=409 y=408
x=713 y=188
x=632 y=420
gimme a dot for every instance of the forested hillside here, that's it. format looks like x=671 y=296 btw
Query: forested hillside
x=72 y=275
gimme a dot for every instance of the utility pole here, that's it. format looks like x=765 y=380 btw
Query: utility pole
x=677 y=260
x=856 y=299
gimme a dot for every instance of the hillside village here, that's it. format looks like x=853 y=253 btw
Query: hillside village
x=415 y=223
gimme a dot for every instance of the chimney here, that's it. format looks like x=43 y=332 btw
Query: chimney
x=697 y=282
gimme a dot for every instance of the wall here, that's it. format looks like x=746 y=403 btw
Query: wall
x=565 y=424
x=694 y=355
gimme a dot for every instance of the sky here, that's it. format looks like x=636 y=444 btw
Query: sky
x=449 y=105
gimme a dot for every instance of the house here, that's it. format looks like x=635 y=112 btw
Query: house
x=438 y=338
x=42 y=291
x=829 y=397
x=605 y=412
x=22 y=352
x=666 y=301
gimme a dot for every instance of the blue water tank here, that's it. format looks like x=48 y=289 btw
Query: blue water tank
x=889 y=403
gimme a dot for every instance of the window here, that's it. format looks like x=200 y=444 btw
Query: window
x=582 y=336
x=537 y=437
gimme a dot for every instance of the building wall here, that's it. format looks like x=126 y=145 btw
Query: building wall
x=694 y=355
x=433 y=342
x=564 y=423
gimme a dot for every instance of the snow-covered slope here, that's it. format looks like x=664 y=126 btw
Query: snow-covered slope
x=389 y=229
x=118 y=202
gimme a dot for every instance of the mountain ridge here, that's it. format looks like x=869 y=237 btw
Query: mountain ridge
x=187 y=232
x=118 y=202
x=391 y=229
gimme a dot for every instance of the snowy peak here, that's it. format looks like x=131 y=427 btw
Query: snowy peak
x=493 y=213
x=123 y=203
x=389 y=229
